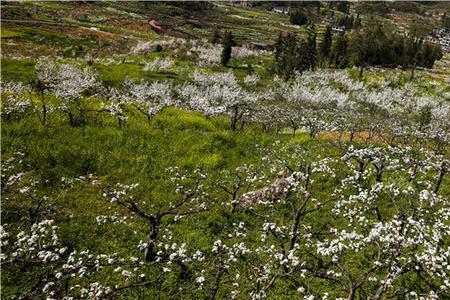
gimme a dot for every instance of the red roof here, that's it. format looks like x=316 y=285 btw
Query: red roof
x=155 y=25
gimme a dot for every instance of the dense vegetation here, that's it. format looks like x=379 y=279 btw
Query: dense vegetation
x=184 y=169
x=362 y=47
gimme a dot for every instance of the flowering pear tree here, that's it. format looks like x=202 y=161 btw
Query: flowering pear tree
x=369 y=223
x=71 y=86
x=191 y=201
x=149 y=98
x=395 y=240
x=159 y=64
x=303 y=218
x=218 y=93
x=116 y=105
x=56 y=272
x=15 y=100
x=22 y=191
x=238 y=182
x=47 y=78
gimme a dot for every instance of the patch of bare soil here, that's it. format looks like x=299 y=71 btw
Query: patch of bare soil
x=83 y=9
x=441 y=76
x=362 y=136
x=27 y=49
x=129 y=25
x=79 y=32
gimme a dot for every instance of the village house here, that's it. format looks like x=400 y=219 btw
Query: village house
x=338 y=29
x=440 y=36
x=281 y=10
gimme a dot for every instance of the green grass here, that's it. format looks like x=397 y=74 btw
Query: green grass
x=137 y=152
x=9 y=33
x=114 y=75
x=141 y=153
x=17 y=70
x=132 y=67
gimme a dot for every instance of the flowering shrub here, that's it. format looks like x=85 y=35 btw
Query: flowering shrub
x=15 y=99
x=206 y=54
x=158 y=64
x=152 y=46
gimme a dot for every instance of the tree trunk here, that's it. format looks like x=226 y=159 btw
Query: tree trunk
x=411 y=177
x=44 y=114
x=150 y=254
x=242 y=125
x=215 y=288
x=351 y=294
x=71 y=119
x=378 y=177
x=44 y=109
x=439 y=181
x=234 y=119
x=294 y=128
x=294 y=229
x=82 y=118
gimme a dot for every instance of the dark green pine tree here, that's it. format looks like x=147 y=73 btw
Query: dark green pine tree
x=343 y=6
x=290 y=59
x=228 y=43
x=311 y=51
x=428 y=54
x=349 y=22
x=358 y=50
x=437 y=54
x=357 y=23
x=279 y=47
x=298 y=17
x=325 y=46
x=215 y=37
x=286 y=56
x=339 y=51
x=398 y=48
x=445 y=21
x=303 y=56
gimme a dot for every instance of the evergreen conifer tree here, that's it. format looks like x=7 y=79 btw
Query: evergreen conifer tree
x=325 y=46
x=311 y=51
x=339 y=51
x=228 y=43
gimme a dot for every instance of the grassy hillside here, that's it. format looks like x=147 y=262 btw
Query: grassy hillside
x=76 y=30
x=137 y=166
x=110 y=27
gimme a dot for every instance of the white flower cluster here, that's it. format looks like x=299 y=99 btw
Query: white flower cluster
x=159 y=65
x=148 y=98
x=217 y=93
x=40 y=244
x=151 y=46
x=318 y=102
x=15 y=98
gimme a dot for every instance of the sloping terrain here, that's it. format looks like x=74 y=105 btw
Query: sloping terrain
x=108 y=27
x=143 y=166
